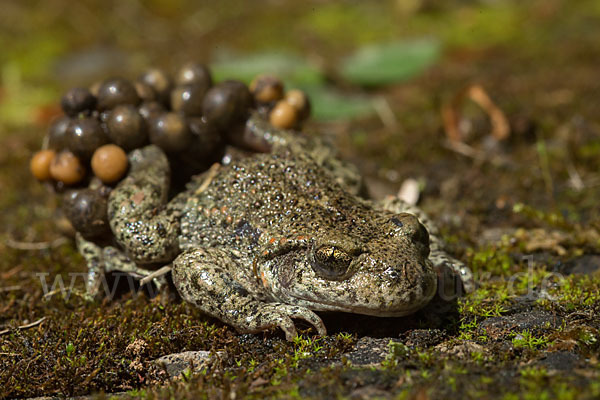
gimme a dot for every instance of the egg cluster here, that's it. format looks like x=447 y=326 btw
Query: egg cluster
x=191 y=118
x=188 y=116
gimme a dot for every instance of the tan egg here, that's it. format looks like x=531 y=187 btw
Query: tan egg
x=266 y=89
x=283 y=115
x=109 y=163
x=67 y=168
x=159 y=82
x=95 y=88
x=299 y=100
x=40 y=164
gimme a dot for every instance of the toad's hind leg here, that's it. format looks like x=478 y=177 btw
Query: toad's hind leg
x=438 y=256
x=210 y=279
x=144 y=225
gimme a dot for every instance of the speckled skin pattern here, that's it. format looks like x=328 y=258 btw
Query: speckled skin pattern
x=273 y=237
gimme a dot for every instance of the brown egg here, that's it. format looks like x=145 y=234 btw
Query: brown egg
x=187 y=99
x=116 y=91
x=86 y=210
x=58 y=133
x=66 y=168
x=159 y=82
x=194 y=73
x=283 y=115
x=206 y=146
x=170 y=132
x=227 y=104
x=84 y=136
x=266 y=89
x=144 y=91
x=77 y=100
x=126 y=127
x=95 y=88
x=40 y=164
x=150 y=109
x=109 y=163
x=299 y=100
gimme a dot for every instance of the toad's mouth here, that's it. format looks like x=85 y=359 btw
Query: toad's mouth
x=394 y=292
x=383 y=311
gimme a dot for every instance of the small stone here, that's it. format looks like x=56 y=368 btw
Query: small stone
x=537 y=321
x=369 y=351
x=559 y=360
x=588 y=264
x=177 y=363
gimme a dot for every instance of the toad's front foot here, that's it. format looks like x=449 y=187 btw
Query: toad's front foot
x=206 y=277
x=270 y=315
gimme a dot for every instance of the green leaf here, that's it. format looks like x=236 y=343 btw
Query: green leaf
x=392 y=62
x=296 y=72
x=329 y=104
x=289 y=67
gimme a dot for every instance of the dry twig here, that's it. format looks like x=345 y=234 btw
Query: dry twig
x=210 y=175
x=451 y=113
x=33 y=246
x=10 y=288
x=159 y=272
x=27 y=326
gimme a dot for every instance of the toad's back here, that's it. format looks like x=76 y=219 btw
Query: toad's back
x=270 y=197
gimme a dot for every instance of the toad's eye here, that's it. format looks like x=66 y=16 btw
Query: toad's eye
x=331 y=262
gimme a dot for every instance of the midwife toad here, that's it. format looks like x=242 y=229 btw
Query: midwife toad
x=270 y=238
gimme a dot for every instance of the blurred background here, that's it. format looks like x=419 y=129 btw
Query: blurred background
x=378 y=74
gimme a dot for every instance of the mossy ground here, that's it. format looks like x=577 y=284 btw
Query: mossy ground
x=525 y=216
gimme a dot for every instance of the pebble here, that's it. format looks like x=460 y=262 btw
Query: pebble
x=177 y=363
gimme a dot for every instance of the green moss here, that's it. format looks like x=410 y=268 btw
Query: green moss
x=490 y=260
x=550 y=218
x=526 y=340
x=574 y=293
